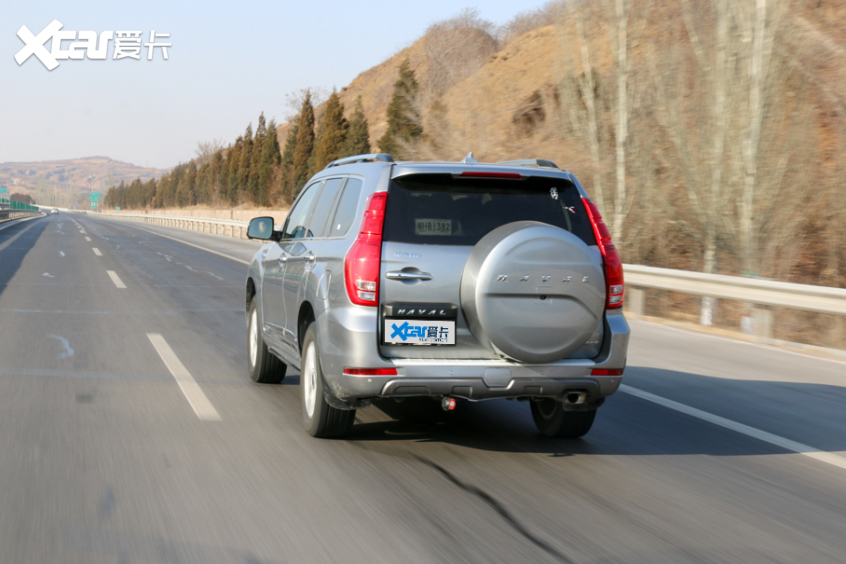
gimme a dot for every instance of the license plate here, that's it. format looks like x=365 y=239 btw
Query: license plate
x=419 y=332
x=432 y=226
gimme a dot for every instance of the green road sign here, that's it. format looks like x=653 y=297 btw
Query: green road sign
x=3 y=190
x=117 y=208
x=95 y=196
x=93 y=204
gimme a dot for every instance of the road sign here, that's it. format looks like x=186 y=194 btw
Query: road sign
x=95 y=197
x=93 y=204
x=75 y=205
x=3 y=190
x=117 y=208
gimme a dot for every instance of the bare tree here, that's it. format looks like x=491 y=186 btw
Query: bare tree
x=759 y=22
x=206 y=149
x=454 y=49
x=581 y=99
x=694 y=106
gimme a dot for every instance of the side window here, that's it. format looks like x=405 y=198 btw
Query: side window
x=323 y=207
x=345 y=215
x=295 y=226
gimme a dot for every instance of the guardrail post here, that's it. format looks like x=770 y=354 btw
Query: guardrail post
x=635 y=301
x=759 y=322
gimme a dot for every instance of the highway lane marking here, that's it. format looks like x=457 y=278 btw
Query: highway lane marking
x=190 y=389
x=781 y=442
x=67 y=351
x=193 y=245
x=116 y=279
x=97 y=251
x=62 y=253
x=88 y=239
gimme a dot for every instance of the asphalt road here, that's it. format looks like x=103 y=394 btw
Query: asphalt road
x=106 y=456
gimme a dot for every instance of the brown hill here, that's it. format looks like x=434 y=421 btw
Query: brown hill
x=71 y=175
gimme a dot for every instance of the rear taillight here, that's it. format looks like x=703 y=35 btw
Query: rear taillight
x=362 y=264
x=610 y=258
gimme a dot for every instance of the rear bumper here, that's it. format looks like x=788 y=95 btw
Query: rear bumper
x=486 y=379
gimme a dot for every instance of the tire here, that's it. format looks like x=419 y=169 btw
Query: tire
x=264 y=367
x=553 y=421
x=319 y=418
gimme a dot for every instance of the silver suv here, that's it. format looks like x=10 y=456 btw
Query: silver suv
x=448 y=280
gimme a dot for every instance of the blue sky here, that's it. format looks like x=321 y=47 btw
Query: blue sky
x=229 y=61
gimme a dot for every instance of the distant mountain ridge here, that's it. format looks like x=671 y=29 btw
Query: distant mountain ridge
x=72 y=174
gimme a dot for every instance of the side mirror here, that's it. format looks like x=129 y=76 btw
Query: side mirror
x=260 y=228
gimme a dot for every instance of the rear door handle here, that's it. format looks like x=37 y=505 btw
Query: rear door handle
x=400 y=275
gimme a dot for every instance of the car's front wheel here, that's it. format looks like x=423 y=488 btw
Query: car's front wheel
x=265 y=368
x=553 y=421
x=319 y=418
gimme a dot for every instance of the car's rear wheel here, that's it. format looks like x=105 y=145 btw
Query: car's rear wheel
x=265 y=368
x=319 y=418
x=553 y=421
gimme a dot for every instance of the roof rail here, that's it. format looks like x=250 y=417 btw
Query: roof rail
x=372 y=157
x=543 y=163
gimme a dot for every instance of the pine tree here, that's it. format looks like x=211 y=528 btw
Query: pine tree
x=223 y=177
x=255 y=160
x=234 y=171
x=358 y=137
x=288 y=157
x=403 y=122
x=246 y=161
x=185 y=187
x=270 y=158
x=214 y=177
x=304 y=148
x=334 y=126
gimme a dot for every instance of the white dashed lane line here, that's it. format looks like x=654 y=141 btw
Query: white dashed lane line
x=192 y=391
x=97 y=251
x=781 y=442
x=88 y=239
x=116 y=279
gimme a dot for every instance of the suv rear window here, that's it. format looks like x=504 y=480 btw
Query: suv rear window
x=440 y=209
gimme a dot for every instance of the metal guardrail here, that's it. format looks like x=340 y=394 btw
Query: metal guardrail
x=763 y=295
x=226 y=227
x=10 y=209
x=804 y=297
x=8 y=214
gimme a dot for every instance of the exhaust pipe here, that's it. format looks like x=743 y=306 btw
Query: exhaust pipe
x=575 y=398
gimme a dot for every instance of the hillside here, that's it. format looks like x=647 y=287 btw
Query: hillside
x=71 y=175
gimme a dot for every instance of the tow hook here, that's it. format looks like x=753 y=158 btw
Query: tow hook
x=448 y=404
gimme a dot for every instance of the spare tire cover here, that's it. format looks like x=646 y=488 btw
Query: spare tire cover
x=532 y=292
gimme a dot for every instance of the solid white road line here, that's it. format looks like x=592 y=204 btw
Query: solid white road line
x=192 y=391
x=116 y=279
x=88 y=239
x=781 y=442
x=97 y=251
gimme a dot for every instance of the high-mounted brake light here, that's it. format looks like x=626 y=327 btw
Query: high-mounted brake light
x=483 y=174
x=370 y=371
x=362 y=264
x=610 y=258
